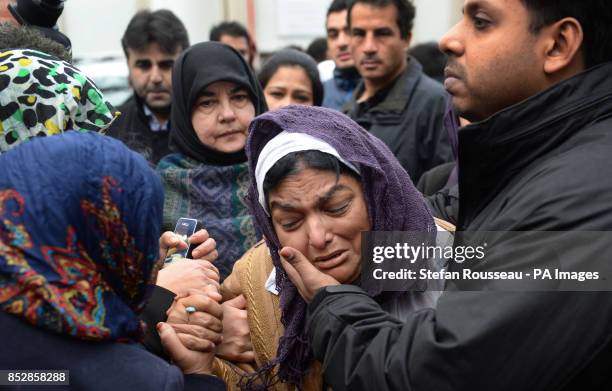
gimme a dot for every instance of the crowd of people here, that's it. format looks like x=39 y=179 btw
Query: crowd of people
x=501 y=127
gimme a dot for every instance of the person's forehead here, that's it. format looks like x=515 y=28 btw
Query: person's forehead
x=290 y=73
x=337 y=19
x=326 y=182
x=234 y=41
x=373 y=16
x=223 y=85
x=496 y=5
x=152 y=52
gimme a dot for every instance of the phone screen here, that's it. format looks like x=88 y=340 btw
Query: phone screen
x=185 y=228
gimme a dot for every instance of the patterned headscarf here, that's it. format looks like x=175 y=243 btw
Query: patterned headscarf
x=393 y=204
x=80 y=217
x=41 y=95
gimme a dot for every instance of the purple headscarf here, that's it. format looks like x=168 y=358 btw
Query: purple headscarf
x=393 y=204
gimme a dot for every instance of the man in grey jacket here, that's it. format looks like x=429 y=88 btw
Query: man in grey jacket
x=396 y=101
x=535 y=160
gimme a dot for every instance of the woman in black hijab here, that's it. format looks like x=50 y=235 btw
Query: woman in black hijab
x=215 y=97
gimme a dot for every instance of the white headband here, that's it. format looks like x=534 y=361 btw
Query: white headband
x=284 y=144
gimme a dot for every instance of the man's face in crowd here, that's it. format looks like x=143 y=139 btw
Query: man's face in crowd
x=493 y=58
x=151 y=75
x=239 y=43
x=378 y=49
x=338 y=40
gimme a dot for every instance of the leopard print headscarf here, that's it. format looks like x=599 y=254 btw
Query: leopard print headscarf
x=41 y=95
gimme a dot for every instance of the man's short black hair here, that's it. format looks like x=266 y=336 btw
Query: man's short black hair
x=162 y=27
x=318 y=49
x=595 y=17
x=405 y=12
x=24 y=37
x=337 y=6
x=431 y=58
x=233 y=29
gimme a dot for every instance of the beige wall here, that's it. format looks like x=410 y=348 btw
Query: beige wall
x=434 y=18
x=5 y=14
x=97 y=26
x=236 y=10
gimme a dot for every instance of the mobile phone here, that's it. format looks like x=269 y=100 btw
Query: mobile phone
x=185 y=227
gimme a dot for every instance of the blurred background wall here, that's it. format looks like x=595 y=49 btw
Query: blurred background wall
x=96 y=27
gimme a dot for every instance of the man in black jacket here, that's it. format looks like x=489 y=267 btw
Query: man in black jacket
x=396 y=101
x=534 y=77
x=152 y=41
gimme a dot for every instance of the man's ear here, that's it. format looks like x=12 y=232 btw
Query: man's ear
x=407 y=41
x=565 y=38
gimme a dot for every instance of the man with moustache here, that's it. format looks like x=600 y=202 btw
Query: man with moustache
x=339 y=89
x=396 y=101
x=533 y=77
x=151 y=42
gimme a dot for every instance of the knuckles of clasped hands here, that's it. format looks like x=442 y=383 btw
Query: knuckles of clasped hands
x=193 y=327
x=198 y=325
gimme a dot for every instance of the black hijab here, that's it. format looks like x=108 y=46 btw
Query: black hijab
x=195 y=69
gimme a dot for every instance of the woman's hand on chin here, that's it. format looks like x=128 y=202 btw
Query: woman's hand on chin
x=306 y=278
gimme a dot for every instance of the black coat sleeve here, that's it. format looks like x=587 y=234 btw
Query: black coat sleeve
x=472 y=341
x=444 y=204
x=434 y=146
x=435 y=179
x=153 y=313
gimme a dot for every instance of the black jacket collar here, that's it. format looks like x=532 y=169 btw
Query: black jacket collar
x=493 y=151
x=394 y=97
x=139 y=105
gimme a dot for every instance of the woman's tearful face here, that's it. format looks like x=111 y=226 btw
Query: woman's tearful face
x=322 y=216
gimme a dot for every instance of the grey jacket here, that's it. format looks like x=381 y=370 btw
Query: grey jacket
x=408 y=116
